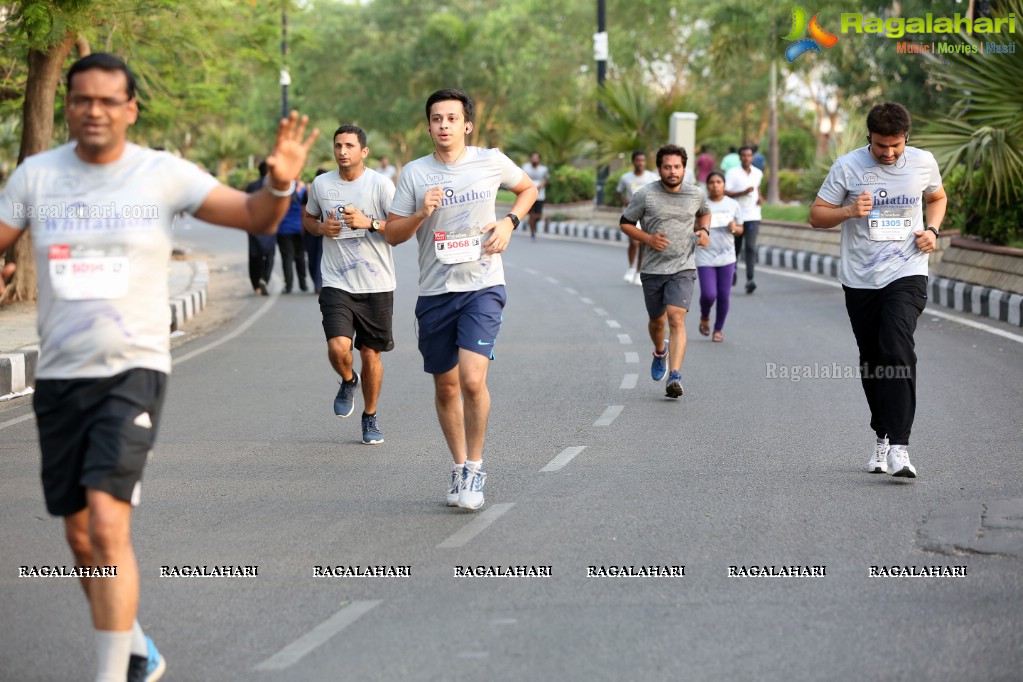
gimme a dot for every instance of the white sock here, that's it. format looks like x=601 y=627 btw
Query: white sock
x=138 y=640
x=458 y=467
x=473 y=466
x=113 y=649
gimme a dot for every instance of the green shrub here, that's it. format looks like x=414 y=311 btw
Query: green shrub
x=968 y=212
x=570 y=184
x=796 y=148
x=611 y=197
x=239 y=178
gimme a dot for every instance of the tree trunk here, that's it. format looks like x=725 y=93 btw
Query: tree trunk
x=44 y=69
x=773 y=195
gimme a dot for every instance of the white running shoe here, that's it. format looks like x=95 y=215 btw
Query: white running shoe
x=878 y=464
x=898 y=462
x=470 y=491
x=456 y=484
x=638 y=280
x=630 y=275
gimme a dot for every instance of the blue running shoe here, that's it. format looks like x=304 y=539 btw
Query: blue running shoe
x=370 y=433
x=344 y=402
x=147 y=668
x=660 y=364
x=674 y=387
x=470 y=491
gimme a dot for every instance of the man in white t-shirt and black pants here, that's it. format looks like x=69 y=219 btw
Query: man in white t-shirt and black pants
x=541 y=177
x=743 y=185
x=101 y=211
x=630 y=183
x=347 y=208
x=448 y=201
x=876 y=194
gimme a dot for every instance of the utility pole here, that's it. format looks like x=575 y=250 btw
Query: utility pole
x=285 y=76
x=600 y=54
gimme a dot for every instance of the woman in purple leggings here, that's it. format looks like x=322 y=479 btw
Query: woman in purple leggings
x=716 y=263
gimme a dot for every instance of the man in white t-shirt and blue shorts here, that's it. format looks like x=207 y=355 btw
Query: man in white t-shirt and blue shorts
x=877 y=194
x=447 y=200
x=101 y=211
x=541 y=177
x=347 y=208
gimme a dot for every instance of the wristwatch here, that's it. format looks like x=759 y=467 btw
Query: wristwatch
x=515 y=220
x=374 y=226
x=934 y=230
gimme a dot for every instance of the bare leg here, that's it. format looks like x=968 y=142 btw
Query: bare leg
x=448 y=399
x=677 y=324
x=372 y=377
x=656 y=329
x=339 y=352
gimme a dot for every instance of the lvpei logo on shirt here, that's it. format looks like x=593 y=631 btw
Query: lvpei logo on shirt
x=818 y=36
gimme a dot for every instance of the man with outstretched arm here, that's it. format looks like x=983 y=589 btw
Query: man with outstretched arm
x=447 y=200
x=101 y=211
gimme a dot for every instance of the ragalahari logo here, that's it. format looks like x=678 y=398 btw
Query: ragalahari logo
x=818 y=36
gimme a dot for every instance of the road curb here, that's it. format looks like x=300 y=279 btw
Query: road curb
x=949 y=293
x=187 y=305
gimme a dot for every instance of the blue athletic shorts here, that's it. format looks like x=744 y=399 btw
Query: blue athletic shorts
x=463 y=319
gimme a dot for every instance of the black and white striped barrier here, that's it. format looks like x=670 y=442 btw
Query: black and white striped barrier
x=189 y=304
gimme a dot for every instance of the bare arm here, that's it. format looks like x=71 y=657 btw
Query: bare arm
x=401 y=228
x=654 y=241
x=525 y=195
x=934 y=213
x=260 y=211
x=824 y=216
x=8 y=235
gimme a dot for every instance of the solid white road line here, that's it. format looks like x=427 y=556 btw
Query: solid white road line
x=610 y=414
x=477 y=525
x=318 y=635
x=16 y=420
x=566 y=456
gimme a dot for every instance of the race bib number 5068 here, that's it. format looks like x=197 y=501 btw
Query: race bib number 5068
x=456 y=248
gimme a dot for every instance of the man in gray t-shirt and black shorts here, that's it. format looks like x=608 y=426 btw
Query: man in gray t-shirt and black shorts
x=877 y=194
x=347 y=208
x=101 y=211
x=674 y=218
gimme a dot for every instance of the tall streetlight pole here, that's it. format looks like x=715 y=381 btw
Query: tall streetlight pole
x=285 y=76
x=600 y=54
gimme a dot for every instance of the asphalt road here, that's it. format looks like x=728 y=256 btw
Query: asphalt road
x=253 y=469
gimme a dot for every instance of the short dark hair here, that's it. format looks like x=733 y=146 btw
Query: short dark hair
x=351 y=130
x=745 y=147
x=889 y=118
x=468 y=108
x=104 y=62
x=263 y=168
x=638 y=152
x=713 y=173
x=671 y=150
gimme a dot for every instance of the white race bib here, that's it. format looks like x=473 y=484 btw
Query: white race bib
x=890 y=224
x=82 y=274
x=720 y=219
x=457 y=248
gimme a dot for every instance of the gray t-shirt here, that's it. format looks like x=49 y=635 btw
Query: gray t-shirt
x=102 y=240
x=538 y=174
x=361 y=261
x=630 y=183
x=879 y=248
x=720 y=249
x=674 y=213
x=470 y=192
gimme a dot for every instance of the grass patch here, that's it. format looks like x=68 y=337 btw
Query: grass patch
x=505 y=197
x=788 y=213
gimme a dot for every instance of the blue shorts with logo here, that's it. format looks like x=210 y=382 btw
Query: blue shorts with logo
x=461 y=319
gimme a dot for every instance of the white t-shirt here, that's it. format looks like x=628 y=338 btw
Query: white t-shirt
x=721 y=248
x=101 y=234
x=736 y=180
x=538 y=174
x=630 y=183
x=879 y=249
x=360 y=262
x=470 y=192
x=388 y=172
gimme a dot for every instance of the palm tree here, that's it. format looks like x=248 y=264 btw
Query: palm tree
x=984 y=129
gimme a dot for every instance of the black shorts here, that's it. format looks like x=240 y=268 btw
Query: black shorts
x=661 y=291
x=536 y=208
x=96 y=433
x=364 y=318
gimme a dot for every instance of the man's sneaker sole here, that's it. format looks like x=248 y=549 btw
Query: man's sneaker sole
x=673 y=390
x=356 y=379
x=907 y=471
x=875 y=468
x=468 y=505
x=372 y=441
x=158 y=672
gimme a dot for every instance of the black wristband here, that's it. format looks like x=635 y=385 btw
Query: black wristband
x=515 y=220
x=934 y=230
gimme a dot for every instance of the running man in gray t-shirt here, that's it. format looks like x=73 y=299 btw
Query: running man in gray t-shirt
x=347 y=208
x=889 y=200
x=674 y=219
x=448 y=201
x=101 y=211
